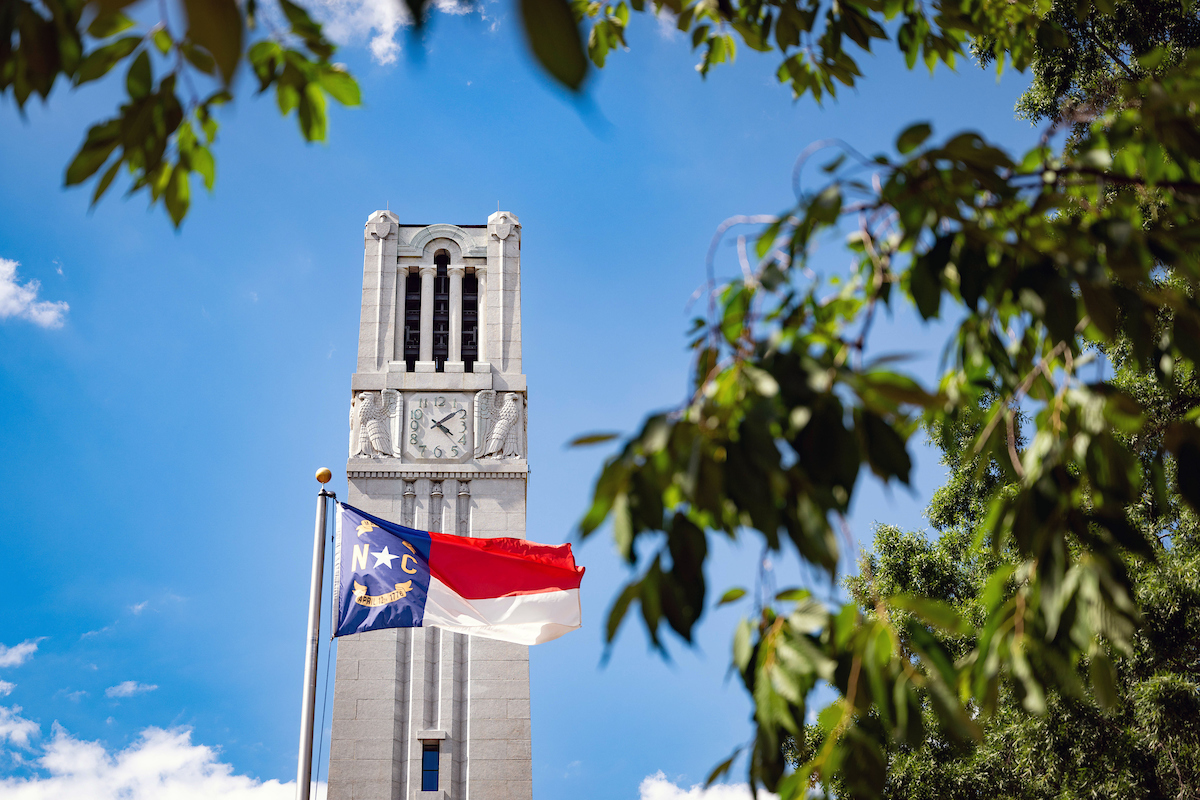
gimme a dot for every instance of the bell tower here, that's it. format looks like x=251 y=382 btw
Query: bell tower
x=437 y=442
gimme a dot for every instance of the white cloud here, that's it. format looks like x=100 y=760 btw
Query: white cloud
x=90 y=634
x=159 y=765
x=18 y=654
x=20 y=300
x=75 y=697
x=139 y=607
x=15 y=728
x=129 y=689
x=658 y=787
x=375 y=21
x=668 y=24
x=6 y=688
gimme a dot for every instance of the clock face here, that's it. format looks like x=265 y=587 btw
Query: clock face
x=437 y=426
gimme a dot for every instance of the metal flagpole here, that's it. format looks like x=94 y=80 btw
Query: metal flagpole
x=308 y=706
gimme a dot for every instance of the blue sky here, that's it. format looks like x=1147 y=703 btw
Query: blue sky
x=159 y=443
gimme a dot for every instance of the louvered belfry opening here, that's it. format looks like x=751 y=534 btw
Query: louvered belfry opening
x=470 y=321
x=412 y=320
x=441 y=310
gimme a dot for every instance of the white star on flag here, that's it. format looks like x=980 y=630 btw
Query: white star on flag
x=383 y=557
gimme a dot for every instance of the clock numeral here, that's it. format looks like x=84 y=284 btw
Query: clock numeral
x=463 y=440
x=455 y=449
x=437 y=452
x=421 y=447
x=412 y=439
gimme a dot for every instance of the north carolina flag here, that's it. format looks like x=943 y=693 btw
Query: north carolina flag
x=389 y=576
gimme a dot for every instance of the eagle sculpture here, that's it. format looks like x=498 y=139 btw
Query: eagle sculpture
x=370 y=414
x=498 y=425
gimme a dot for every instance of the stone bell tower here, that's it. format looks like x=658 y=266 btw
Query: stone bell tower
x=437 y=442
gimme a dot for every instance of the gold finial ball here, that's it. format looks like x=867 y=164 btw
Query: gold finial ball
x=324 y=475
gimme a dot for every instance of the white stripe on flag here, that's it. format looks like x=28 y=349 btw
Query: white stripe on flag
x=521 y=619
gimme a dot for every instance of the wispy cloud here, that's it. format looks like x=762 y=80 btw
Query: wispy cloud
x=18 y=654
x=75 y=697
x=15 y=728
x=6 y=688
x=97 y=632
x=129 y=689
x=158 y=765
x=138 y=608
x=668 y=24
x=659 y=787
x=376 y=22
x=20 y=300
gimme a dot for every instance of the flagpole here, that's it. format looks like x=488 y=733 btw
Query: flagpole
x=309 y=703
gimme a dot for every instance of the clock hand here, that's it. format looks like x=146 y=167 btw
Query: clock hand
x=448 y=416
x=443 y=427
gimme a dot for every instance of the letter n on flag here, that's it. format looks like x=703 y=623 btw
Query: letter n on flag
x=389 y=576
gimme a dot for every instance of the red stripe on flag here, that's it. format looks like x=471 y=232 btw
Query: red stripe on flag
x=501 y=567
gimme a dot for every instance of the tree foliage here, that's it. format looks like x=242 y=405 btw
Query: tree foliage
x=181 y=68
x=1136 y=737
x=1046 y=259
x=176 y=76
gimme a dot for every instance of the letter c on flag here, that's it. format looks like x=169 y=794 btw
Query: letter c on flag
x=404 y=564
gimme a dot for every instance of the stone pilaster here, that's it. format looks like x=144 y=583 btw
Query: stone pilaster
x=455 y=363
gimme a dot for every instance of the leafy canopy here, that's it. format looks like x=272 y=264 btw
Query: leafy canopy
x=1147 y=742
x=1047 y=259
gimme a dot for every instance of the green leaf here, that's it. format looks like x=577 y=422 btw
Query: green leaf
x=89 y=159
x=1183 y=440
x=100 y=61
x=935 y=612
x=887 y=452
x=592 y=438
x=177 y=196
x=1104 y=678
x=913 y=137
x=309 y=30
x=620 y=606
x=139 y=80
x=216 y=25
x=721 y=769
x=341 y=86
x=110 y=24
x=199 y=58
x=732 y=595
x=553 y=36
x=162 y=40
x=202 y=162
x=925 y=277
x=742 y=648
x=312 y=113
x=105 y=180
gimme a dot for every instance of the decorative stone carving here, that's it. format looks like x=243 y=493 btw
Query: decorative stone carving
x=499 y=425
x=371 y=416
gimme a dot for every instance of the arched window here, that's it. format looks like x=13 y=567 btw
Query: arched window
x=412 y=320
x=441 y=310
x=470 y=321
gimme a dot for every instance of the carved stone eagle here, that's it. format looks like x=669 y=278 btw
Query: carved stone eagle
x=370 y=419
x=498 y=425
